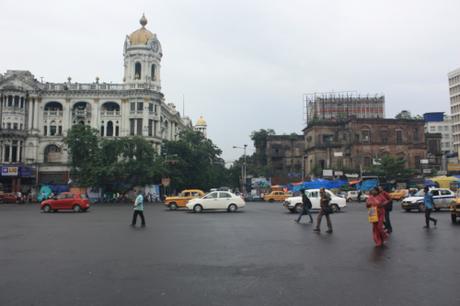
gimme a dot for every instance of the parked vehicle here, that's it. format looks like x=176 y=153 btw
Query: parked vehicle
x=66 y=201
x=399 y=194
x=353 y=196
x=182 y=199
x=442 y=197
x=11 y=198
x=294 y=204
x=252 y=198
x=277 y=196
x=217 y=200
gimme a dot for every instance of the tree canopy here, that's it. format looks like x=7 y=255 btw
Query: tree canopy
x=115 y=165
x=392 y=168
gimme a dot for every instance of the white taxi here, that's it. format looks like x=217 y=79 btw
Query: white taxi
x=294 y=204
x=217 y=200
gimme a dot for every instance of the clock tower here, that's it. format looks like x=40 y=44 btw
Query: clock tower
x=142 y=56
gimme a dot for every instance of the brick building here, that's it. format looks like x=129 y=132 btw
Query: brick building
x=284 y=157
x=355 y=143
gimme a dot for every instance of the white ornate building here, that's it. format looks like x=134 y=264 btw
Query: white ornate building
x=35 y=116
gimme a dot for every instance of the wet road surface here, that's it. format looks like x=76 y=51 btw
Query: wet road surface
x=257 y=256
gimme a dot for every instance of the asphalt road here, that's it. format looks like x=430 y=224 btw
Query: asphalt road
x=258 y=256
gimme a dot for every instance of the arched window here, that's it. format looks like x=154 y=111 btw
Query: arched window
x=152 y=72
x=53 y=106
x=137 y=71
x=110 y=128
x=53 y=154
x=110 y=106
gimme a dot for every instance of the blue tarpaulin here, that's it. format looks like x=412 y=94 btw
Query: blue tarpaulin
x=320 y=183
x=429 y=183
x=367 y=185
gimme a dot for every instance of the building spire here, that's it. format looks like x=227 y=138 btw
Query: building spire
x=143 y=20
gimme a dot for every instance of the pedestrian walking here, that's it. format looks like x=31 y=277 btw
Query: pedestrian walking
x=428 y=201
x=138 y=209
x=388 y=208
x=375 y=204
x=306 y=206
x=325 y=210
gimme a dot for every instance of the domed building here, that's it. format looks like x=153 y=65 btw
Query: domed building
x=35 y=116
x=201 y=126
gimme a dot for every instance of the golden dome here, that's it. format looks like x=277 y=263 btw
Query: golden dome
x=201 y=122
x=142 y=35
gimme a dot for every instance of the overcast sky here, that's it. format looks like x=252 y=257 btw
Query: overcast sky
x=245 y=65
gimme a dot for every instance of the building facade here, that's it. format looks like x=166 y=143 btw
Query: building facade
x=440 y=123
x=337 y=107
x=454 y=93
x=355 y=144
x=284 y=157
x=36 y=116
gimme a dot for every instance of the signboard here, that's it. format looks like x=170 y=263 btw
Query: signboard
x=424 y=161
x=427 y=171
x=338 y=173
x=10 y=171
x=166 y=181
x=338 y=154
x=327 y=172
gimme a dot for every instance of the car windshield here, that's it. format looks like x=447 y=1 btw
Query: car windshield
x=420 y=193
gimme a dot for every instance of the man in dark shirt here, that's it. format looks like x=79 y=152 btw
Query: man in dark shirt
x=306 y=206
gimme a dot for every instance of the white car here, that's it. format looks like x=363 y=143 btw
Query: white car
x=217 y=200
x=353 y=196
x=442 y=198
x=294 y=204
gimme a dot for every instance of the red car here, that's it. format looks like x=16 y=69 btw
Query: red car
x=10 y=198
x=66 y=201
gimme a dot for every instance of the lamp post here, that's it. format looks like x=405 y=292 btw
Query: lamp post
x=243 y=168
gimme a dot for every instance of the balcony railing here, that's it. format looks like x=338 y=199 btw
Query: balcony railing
x=81 y=113
x=106 y=113
x=53 y=113
x=99 y=86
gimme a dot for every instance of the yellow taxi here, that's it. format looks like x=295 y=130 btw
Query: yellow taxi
x=182 y=199
x=277 y=196
x=398 y=194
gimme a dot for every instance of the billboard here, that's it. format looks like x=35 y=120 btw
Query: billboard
x=10 y=171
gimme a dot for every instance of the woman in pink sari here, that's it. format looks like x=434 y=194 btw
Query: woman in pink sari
x=377 y=201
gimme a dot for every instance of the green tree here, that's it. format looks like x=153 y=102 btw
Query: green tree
x=84 y=151
x=115 y=165
x=260 y=143
x=392 y=168
x=193 y=161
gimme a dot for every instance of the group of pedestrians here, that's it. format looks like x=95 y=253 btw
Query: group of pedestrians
x=325 y=210
x=379 y=204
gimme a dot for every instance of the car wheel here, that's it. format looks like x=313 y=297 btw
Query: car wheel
x=407 y=209
x=298 y=208
x=437 y=209
x=76 y=208
x=173 y=206
x=47 y=208
x=335 y=208
x=232 y=208
x=197 y=208
x=271 y=200
x=421 y=207
x=453 y=218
